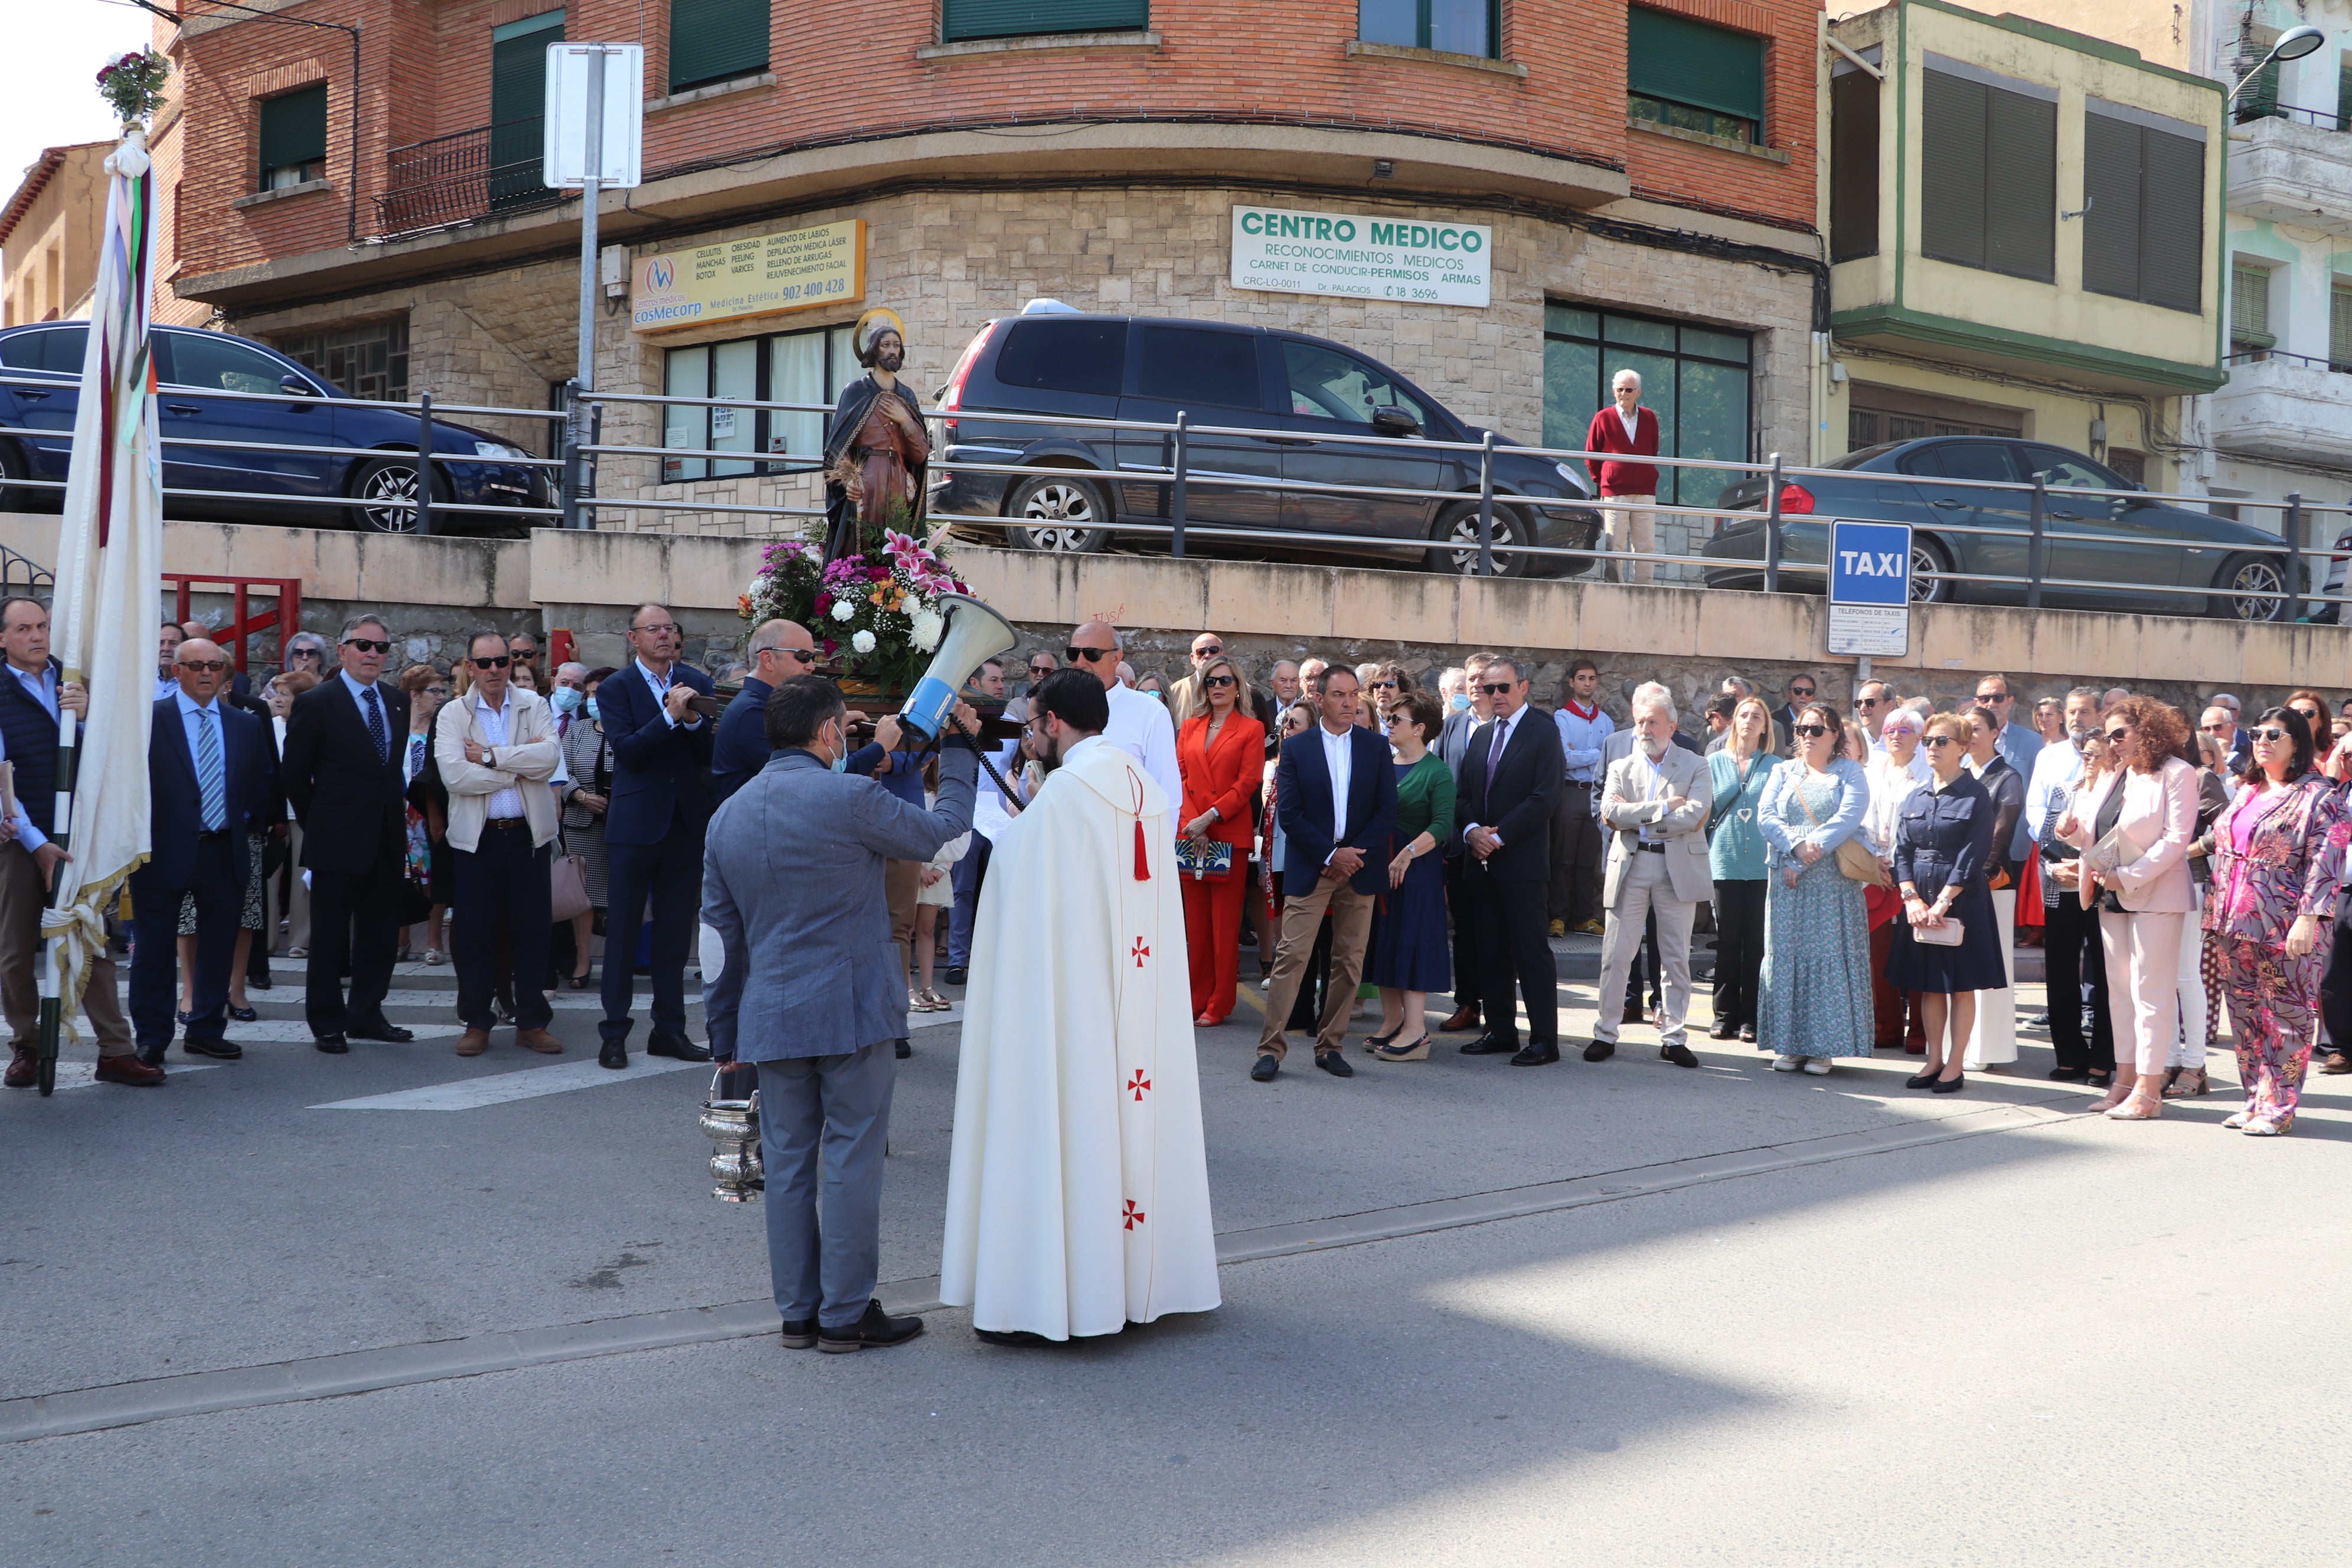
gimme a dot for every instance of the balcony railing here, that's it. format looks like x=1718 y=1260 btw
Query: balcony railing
x=2310 y=362
x=463 y=178
x=2325 y=119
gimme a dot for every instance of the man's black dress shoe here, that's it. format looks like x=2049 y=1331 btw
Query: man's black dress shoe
x=1335 y=1063
x=614 y=1054
x=1678 y=1055
x=800 y=1333
x=1536 y=1056
x=1012 y=1337
x=219 y=1050
x=663 y=1043
x=1490 y=1045
x=382 y=1030
x=258 y=980
x=332 y=1045
x=2067 y=1075
x=956 y=976
x=876 y=1330
x=152 y=1056
x=1599 y=1050
x=902 y=1047
x=1263 y=1069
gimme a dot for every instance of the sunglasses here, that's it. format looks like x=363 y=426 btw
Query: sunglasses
x=1868 y=701
x=2269 y=733
x=213 y=665
x=2119 y=732
x=1091 y=655
x=1934 y=743
x=497 y=661
x=1384 y=686
x=1217 y=680
x=1812 y=732
x=1498 y=687
x=2002 y=696
x=1211 y=651
x=369 y=645
x=802 y=654
x=1801 y=692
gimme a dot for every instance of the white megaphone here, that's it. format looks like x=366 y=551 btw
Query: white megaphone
x=974 y=633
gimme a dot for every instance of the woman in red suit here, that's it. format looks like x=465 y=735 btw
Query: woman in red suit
x=1219 y=752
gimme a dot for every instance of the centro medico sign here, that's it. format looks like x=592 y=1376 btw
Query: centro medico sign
x=1362 y=255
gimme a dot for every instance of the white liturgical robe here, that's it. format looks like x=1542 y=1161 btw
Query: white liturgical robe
x=1078 y=1182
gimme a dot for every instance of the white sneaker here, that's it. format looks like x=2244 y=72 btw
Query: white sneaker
x=1787 y=1064
x=1817 y=1065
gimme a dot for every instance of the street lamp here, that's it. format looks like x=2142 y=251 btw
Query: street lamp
x=2293 y=45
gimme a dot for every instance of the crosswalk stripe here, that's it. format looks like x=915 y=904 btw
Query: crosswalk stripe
x=498 y=1089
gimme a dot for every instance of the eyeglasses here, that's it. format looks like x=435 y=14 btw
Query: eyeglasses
x=656 y=629
x=1936 y=742
x=2269 y=733
x=1384 y=686
x=1812 y=732
x=1218 y=680
x=1997 y=696
x=2118 y=732
x=369 y=645
x=497 y=661
x=1091 y=655
x=213 y=665
x=436 y=692
x=1868 y=701
x=1041 y=669
x=1498 y=687
x=802 y=654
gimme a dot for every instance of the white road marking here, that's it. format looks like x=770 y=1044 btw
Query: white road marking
x=497 y=1089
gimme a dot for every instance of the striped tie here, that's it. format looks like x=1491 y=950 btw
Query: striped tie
x=208 y=772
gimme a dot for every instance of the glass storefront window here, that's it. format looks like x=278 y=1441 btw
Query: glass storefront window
x=1693 y=378
x=787 y=367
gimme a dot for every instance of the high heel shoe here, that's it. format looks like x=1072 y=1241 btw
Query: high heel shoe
x=577 y=981
x=1922 y=1079
x=1373 y=1043
x=1951 y=1085
x=1408 y=1051
x=2138 y=1108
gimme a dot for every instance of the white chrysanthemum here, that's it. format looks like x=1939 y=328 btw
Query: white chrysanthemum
x=758 y=585
x=926 y=626
x=863 y=642
x=842 y=610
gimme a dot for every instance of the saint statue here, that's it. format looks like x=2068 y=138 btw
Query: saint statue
x=1078 y=1177
x=876 y=449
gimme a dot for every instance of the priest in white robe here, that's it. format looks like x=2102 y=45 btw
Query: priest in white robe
x=1077 y=1182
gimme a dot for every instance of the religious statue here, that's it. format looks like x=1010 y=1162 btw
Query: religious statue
x=876 y=451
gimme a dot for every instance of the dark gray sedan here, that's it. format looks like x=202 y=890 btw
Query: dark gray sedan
x=2101 y=552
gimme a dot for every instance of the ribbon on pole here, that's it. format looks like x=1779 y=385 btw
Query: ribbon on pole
x=109 y=601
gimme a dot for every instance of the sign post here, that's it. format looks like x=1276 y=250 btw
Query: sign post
x=595 y=124
x=1869 y=589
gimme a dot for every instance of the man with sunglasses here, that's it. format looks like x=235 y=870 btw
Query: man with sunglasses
x=2072 y=953
x=1802 y=690
x=1041 y=665
x=1186 y=698
x=1139 y=725
x=2019 y=744
x=780 y=649
x=1453 y=746
x=1503 y=800
x=342 y=772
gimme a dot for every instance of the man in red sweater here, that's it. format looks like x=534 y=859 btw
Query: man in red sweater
x=1626 y=426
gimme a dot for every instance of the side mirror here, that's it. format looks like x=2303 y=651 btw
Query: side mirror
x=1394 y=421
x=297 y=385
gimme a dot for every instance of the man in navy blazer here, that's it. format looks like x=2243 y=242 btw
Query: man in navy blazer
x=1335 y=791
x=1502 y=799
x=661 y=803
x=212 y=774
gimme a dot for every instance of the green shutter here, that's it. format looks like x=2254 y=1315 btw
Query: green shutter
x=1014 y=18
x=2339 y=327
x=712 y=40
x=2343 y=93
x=2258 y=99
x=1684 y=61
x=2250 y=307
x=2022 y=181
x=2111 y=190
x=1854 y=165
x=2172 y=221
x=294 y=128
x=1952 y=115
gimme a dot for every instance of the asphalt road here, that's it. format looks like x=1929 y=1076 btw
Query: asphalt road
x=1857 y=1325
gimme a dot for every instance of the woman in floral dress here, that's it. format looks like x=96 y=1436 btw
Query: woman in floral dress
x=1814 y=1002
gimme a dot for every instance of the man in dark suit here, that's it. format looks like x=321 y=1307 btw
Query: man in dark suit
x=212 y=774
x=779 y=651
x=1335 y=788
x=661 y=803
x=342 y=775
x=1453 y=747
x=1503 y=802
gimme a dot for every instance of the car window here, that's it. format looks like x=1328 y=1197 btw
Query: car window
x=1328 y=385
x=1924 y=462
x=58 y=351
x=216 y=363
x=1065 y=356
x=2061 y=469
x=1975 y=460
x=1188 y=366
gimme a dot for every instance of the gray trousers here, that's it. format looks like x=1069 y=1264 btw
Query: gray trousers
x=1646 y=889
x=836 y=1109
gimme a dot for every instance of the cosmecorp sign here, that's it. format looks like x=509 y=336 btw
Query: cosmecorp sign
x=1362 y=255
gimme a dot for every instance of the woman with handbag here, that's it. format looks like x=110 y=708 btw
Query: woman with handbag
x=1813 y=1000
x=588 y=764
x=1218 y=754
x=1947 y=945
x=1735 y=854
x=1407 y=957
x=1993 y=1043
x=2135 y=833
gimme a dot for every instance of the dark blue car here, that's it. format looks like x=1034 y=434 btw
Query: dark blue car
x=372 y=447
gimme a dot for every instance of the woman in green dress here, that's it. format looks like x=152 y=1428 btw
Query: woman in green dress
x=1407 y=956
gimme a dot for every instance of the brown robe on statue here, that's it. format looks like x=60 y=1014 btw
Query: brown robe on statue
x=882 y=459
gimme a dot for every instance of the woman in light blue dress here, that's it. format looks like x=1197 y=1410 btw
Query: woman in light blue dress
x=1814 y=1002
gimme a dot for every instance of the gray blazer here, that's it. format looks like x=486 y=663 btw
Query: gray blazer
x=792 y=881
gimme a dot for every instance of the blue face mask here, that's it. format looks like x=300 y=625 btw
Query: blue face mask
x=841 y=755
x=1458 y=702
x=591 y=709
x=565 y=699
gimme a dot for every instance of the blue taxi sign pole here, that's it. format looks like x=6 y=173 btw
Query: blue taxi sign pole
x=1869 y=589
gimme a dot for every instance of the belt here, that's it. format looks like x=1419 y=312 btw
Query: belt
x=505 y=822
x=1578 y=783
x=1651 y=848
x=203 y=833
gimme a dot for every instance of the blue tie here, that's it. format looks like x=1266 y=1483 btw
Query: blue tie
x=376 y=731
x=208 y=772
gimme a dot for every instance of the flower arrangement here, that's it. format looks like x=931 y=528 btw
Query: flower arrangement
x=134 y=83
x=877 y=612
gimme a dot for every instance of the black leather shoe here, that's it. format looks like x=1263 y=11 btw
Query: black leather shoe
x=1678 y=1055
x=1634 y=1014
x=219 y=1050
x=1335 y=1063
x=258 y=980
x=878 y=1330
x=800 y=1333
x=382 y=1030
x=664 y=1043
x=1536 y=1057
x=333 y=1044
x=1599 y=1050
x=614 y=1054
x=245 y=1015
x=152 y=1056
x=1724 y=1029
x=1022 y=1337
x=1952 y=1085
x=956 y=976
x=902 y=1047
x=1922 y=1079
x=1490 y=1045
x=1263 y=1069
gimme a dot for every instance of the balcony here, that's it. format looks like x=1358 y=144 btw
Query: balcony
x=2285 y=405
x=2293 y=168
x=463 y=178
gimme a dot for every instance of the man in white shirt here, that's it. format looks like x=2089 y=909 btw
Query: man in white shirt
x=1139 y=724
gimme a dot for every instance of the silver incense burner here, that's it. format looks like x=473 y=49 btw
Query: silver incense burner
x=733 y=1128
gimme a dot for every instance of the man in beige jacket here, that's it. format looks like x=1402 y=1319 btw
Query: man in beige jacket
x=496 y=749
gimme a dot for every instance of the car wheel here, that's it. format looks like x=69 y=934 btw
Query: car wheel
x=386 y=478
x=1928 y=556
x=2243 y=576
x=1060 y=513
x=1457 y=536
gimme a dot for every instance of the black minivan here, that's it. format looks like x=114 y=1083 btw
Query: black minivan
x=1314 y=413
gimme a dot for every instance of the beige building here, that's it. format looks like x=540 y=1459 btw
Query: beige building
x=50 y=233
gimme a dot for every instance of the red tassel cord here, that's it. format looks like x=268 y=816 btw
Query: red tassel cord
x=1143 y=850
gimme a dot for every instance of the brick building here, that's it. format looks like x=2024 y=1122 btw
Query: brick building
x=49 y=231
x=1647 y=173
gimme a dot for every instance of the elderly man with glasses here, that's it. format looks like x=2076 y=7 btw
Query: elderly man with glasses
x=780 y=649
x=1041 y=665
x=1186 y=698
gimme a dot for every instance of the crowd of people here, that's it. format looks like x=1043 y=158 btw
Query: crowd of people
x=1867 y=880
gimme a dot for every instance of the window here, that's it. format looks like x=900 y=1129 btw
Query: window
x=215 y=362
x=2249 y=309
x=1693 y=378
x=2339 y=328
x=1085 y=357
x=961 y=19
x=1457 y=27
x=2344 y=93
x=1693 y=76
x=368 y=361
x=2128 y=465
x=1854 y=160
x=2143 y=192
x=2062 y=471
x=518 y=107
x=2258 y=95
x=789 y=367
x=1327 y=384
x=58 y=351
x=714 y=40
x=294 y=138
x=1988 y=158
x=1192 y=366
